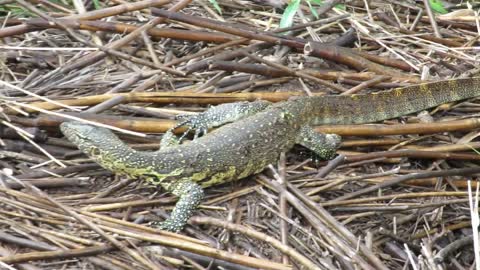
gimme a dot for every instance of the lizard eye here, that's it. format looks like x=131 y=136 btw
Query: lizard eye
x=152 y=178
x=94 y=151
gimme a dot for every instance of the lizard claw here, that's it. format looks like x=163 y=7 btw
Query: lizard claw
x=192 y=122
x=199 y=132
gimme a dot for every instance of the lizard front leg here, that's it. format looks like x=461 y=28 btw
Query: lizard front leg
x=324 y=145
x=219 y=115
x=190 y=195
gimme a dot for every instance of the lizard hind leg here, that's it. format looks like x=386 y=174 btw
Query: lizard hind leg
x=190 y=195
x=324 y=145
x=219 y=115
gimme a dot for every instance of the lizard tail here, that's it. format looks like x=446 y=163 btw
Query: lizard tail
x=368 y=108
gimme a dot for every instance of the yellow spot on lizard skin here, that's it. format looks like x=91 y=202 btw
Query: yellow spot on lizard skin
x=220 y=177
x=453 y=86
x=424 y=87
x=159 y=177
x=252 y=167
x=247 y=170
x=199 y=176
x=260 y=166
x=398 y=92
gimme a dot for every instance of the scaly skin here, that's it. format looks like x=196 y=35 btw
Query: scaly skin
x=247 y=146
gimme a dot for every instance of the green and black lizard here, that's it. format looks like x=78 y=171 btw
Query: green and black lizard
x=259 y=132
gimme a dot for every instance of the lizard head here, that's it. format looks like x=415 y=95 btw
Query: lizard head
x=82 y=135
x=94 y=141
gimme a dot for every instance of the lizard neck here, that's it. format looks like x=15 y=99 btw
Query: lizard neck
x=113 y=154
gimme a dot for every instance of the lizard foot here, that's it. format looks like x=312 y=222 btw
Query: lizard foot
x=324 y=145
x=190 y=194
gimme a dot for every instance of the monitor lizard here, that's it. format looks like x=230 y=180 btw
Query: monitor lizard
x=258 y=133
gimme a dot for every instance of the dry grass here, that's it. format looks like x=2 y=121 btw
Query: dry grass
x=378 y=208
